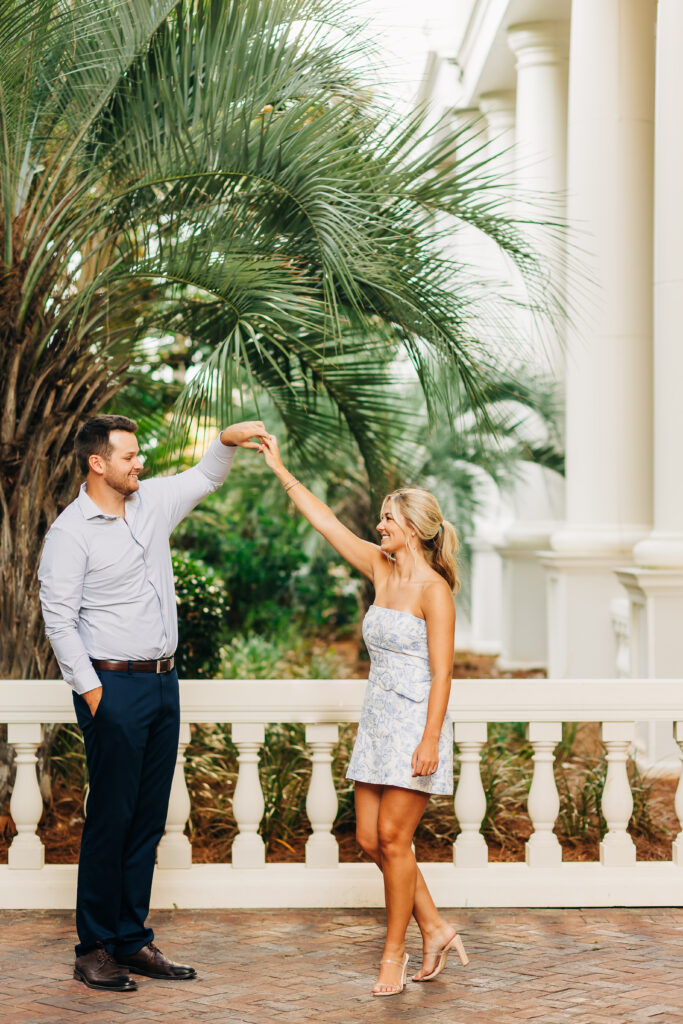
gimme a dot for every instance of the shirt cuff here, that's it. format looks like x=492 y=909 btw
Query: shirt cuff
x=224 y=451
x=86 y=682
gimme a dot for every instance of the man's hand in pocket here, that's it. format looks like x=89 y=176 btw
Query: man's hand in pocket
x=92 y=698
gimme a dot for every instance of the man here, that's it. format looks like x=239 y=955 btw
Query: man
x=108 y=598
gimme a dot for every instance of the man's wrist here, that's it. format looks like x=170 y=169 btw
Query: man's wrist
x=225 y=441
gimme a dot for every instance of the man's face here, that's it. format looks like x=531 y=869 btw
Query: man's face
x=122 y=468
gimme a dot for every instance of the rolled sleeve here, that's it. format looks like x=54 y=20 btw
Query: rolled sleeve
x=62 y=569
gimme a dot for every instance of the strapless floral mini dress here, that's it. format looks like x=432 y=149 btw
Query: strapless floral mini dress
x=394 y=711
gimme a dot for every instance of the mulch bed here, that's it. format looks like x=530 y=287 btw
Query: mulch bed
x=60 y=831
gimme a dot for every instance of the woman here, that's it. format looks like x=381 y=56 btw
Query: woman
x=403 y=750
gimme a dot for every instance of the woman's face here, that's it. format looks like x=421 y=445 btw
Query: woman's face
x=392 y=536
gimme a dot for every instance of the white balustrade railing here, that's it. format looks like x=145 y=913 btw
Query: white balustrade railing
x=543 y=848
x=470 y=849
x=248 y=805
x=617 y=878
x=175 y=850
x=322 y=850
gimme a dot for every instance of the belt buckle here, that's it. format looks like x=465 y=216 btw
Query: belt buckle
x=159 y=661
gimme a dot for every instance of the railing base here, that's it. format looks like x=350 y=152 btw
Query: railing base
x=280 y=886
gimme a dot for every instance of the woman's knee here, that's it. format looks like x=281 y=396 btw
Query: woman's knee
x=392 y=839
x=367 y=840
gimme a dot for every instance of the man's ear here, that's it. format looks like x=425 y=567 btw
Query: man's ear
x=96 y=464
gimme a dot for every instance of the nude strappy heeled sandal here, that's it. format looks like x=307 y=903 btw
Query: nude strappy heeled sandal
x=395 y=990
x=454 y=943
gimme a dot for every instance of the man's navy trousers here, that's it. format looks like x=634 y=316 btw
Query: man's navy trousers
x=131 y=746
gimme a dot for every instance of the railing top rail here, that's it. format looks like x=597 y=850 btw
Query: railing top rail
x=339 y=700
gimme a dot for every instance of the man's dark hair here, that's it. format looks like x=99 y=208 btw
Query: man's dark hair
x=93 y=438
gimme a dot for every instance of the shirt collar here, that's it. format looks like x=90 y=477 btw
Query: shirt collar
x=90 y=510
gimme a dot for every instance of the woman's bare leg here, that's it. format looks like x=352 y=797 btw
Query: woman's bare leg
x=436 y=932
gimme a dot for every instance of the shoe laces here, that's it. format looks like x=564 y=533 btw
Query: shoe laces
x=103 y=956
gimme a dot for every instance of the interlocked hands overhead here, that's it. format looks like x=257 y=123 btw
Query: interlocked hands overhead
x=240 y=434
x=271 y=452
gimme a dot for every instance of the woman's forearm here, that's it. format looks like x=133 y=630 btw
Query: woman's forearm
x=316 y=511
x=439 y=695
x=358 y=552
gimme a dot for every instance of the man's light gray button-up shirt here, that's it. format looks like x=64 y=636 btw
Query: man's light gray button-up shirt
x=106 y=583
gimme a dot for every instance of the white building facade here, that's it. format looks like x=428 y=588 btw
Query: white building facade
x=590 y=90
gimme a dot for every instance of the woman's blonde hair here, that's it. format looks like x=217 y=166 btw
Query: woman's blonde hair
x=437 y=536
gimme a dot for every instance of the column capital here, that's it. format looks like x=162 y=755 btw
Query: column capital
x=463 y=117
x=499 y=110
x=539 y=42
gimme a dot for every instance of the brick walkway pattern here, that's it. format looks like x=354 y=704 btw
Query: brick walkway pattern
x=293 y=967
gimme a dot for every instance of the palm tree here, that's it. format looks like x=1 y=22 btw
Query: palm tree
x=216 y=171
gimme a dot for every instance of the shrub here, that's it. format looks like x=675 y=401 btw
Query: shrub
x=202 y=612
x=277 y=573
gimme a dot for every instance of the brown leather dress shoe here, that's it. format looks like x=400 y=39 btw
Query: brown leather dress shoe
x=99 y=969
x=152 y=963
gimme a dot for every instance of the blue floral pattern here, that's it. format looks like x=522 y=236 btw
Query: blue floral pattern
x=394 y=711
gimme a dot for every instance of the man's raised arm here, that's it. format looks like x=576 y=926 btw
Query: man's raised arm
x=185 y=490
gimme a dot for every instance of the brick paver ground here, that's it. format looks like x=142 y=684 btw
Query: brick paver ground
x=293 y=967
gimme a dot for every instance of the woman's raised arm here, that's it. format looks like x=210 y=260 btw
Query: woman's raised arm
x=363 y=555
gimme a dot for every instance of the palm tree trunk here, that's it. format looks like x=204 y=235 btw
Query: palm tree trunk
x=33 y=479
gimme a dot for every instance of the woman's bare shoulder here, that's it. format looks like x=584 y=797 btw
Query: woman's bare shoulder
x=436 y=594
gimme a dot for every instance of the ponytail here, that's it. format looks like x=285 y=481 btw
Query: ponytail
x=444 y=552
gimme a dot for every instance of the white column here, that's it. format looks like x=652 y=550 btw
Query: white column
x=617 y=849
x=663 y=549
x=543 y=848
x=655 y=651
x=248 y=805
x=655 y=586
x=470 y=849
x=541 y=49
x=483 y=133
x=467 y=124
x=486 y=604
x=26 y=804
x=498 y=109
x=608 y=390
x=487 y=589
x=322 y=850
x=175 y=849
x=541 y=52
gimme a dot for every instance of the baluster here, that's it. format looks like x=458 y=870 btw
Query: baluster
x=248 y=849
x=677 y=845
x=617 y=849
x=322 y=849
x=543 y=848
x=175 y=849
x=26 y=805
x=470 y=849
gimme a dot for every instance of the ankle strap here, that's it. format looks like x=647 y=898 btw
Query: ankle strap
x=387 y=960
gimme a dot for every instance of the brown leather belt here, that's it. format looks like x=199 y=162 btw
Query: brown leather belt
x=161 y=665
